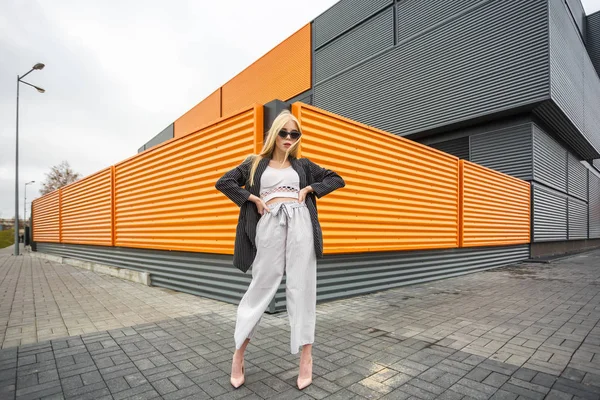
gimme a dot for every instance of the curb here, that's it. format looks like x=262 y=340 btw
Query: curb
x=122 y=273
x=559 y=257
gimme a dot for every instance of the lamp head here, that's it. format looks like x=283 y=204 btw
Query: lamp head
x=39 y=66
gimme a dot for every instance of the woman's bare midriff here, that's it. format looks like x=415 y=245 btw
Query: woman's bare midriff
x=281 y=200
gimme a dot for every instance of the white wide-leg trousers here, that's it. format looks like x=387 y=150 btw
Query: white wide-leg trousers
x=284 y=241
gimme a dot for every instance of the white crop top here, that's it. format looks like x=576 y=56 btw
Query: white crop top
x=283 y=182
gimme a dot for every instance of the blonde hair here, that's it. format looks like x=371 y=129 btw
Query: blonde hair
x=269 y=146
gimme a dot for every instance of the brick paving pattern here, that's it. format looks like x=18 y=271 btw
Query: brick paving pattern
x=527 y=331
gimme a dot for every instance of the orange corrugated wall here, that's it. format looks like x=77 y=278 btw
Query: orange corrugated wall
x=495 y=207
x=399 y=195
x=165 y=198
x=86 y=210
x=46 y=218
x=282 y=73
x=201 y=115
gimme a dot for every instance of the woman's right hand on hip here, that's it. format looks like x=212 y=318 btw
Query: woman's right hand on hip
x=260 y=204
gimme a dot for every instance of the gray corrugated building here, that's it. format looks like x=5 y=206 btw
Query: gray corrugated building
x=510 y=85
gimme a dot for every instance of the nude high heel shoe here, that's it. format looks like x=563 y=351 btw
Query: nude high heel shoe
x=237 y=382
x=305 y=382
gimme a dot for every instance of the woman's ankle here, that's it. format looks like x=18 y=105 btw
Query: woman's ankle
x=306 y=354
x=239 y=353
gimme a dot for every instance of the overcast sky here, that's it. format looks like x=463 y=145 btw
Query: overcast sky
x=118 y=72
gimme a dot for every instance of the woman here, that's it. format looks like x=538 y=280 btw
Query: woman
x=278 y=229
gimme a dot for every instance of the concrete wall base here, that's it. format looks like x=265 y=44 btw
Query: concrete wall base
x=542 y=250
x=127 y=274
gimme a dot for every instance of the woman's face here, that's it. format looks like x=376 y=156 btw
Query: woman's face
x=283 y=144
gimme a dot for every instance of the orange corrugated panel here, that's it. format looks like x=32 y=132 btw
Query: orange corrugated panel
x=46 y=218
x=86 y=210
x=496 y=207
x=282 y=73
x=203 y=114
x=399 y=195
x=166 y=199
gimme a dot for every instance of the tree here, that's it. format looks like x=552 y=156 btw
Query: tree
x=60 y=175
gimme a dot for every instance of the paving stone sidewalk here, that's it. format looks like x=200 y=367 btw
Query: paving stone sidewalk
x=524 y=331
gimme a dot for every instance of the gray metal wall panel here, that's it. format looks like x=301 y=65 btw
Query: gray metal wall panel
x=142 y=149
x=305 y=98
x=549 y=214
x=549 y=160
x=338 y=276
x=499 y=63
x=551 y=114
x=356 y=45
x=163 y=136
x=344 y=15
x=203 y=274
x=566 y=62
x=414 y=16
x=578 y=13
x=577 y=178
x=578 y=219
x=508 y=150
x=575 y=86
x=342 y=276
x=457 y=147
x=596 y=164
x=591 y=101
x=594 y=205
x=593 y=39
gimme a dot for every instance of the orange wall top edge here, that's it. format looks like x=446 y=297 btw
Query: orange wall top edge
x=253 y=106
x=297 y=111
x=79 y=182
x=256 y=107
x=282 y=73
x=199 y=116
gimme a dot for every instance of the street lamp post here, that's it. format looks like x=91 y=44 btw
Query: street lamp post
x=20 y=80
x=25 y=207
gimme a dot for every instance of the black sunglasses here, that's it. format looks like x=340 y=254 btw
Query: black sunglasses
x=295 y=135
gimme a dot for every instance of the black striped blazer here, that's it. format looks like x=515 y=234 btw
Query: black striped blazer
x=323 y=181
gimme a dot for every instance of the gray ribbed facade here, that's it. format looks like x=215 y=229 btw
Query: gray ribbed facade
x=445 y=69
x=594 y=205
x=577 y=178
x=593 y=39
x=457 y=147
x=339 y=276
x=344 y=16
x=549 y=214
x=549 y=160
x=522 y=148
x=163 y=136
x=575 y=87
x=372 y=37
x=208 y=275
x=577 y=219
x=507 y=149
x=577 y=12
x=459 y=62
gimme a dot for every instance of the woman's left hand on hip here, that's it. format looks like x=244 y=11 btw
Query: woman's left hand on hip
x=303 y=192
